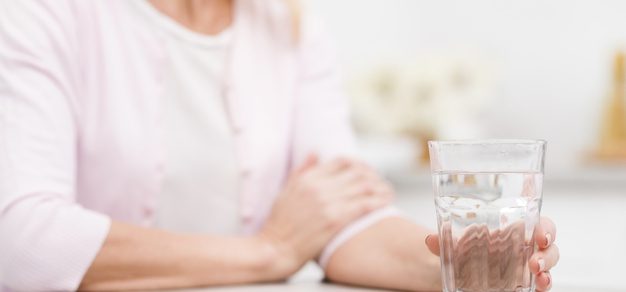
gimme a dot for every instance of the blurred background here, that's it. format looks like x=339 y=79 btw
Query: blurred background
x=452 y=69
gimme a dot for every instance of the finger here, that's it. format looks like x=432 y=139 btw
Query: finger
x=545 y=233
x=322 y=171
x=432 y=242
x=310 y=161
x=336 y=165
x=368 y=171
x=350 y=175
x=544 y=281
x=359 y=171
x=544 y=260
x=384 y=189
x=353 y=191
x=362 y=190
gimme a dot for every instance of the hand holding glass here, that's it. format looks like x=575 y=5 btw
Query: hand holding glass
x=488 y=199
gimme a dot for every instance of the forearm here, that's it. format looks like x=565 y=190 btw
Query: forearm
x=141 y=258
x=390 y=254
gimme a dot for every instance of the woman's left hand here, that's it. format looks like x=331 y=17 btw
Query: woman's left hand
x=540 y=262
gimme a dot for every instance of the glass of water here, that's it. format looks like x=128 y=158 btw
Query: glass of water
x=488 y=199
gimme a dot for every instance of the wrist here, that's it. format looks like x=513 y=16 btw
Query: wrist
x=276 y=260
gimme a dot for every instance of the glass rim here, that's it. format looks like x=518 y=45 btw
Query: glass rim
x=488 y=142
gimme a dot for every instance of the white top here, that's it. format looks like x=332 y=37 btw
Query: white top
x=199 y=191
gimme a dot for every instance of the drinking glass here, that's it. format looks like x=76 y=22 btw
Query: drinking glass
x=488 y=199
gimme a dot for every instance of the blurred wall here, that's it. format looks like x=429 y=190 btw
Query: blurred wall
x=552 y=57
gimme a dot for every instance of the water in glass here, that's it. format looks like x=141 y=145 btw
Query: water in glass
x=486 y=222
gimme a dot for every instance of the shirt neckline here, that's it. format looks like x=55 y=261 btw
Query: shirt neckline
x=177 y=30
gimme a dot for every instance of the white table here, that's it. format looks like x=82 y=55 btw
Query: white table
x=324 y=287
x=299 y=287
x=309 y=279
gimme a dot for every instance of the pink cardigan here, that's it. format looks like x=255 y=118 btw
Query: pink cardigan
x=80 y=125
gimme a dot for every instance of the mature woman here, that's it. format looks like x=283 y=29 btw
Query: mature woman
x=162 y=144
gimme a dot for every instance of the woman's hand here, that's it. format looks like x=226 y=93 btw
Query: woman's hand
x=540 y=262
x=317 y=202
x=547 y=256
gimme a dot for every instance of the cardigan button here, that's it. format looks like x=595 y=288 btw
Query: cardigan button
x=246 y=213
x=148 y=212
x=245 y=173
x=237 y=129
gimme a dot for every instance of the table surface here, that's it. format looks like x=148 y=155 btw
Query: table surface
x=309 y=279
x=311 y=286
x=298 y=286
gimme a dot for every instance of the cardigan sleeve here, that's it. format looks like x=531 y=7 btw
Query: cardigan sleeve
x=47 y=240
x=322 y=120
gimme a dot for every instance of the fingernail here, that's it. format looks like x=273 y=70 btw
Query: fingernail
x=542 y=264
x=548 y=239
x=549 y=280
x=426 y=239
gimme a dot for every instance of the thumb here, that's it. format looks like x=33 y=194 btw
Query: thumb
x=432 y=242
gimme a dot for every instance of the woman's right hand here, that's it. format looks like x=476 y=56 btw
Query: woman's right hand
x=318 y=200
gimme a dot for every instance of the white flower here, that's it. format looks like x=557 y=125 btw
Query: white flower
x=434 y=96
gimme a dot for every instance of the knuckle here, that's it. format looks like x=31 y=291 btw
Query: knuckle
x=333 y=224
x=361 y=168
x=354 y=165
x=333 y=220
x=335 y=163
x=365 y=188
x=368 y=169
x=310 y=189
x=366 y=207
x=343 y=161
x=364 y=174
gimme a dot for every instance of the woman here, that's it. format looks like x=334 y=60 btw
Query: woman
x=167 y=144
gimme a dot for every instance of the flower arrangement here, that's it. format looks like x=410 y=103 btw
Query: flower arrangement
x=434 y=97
